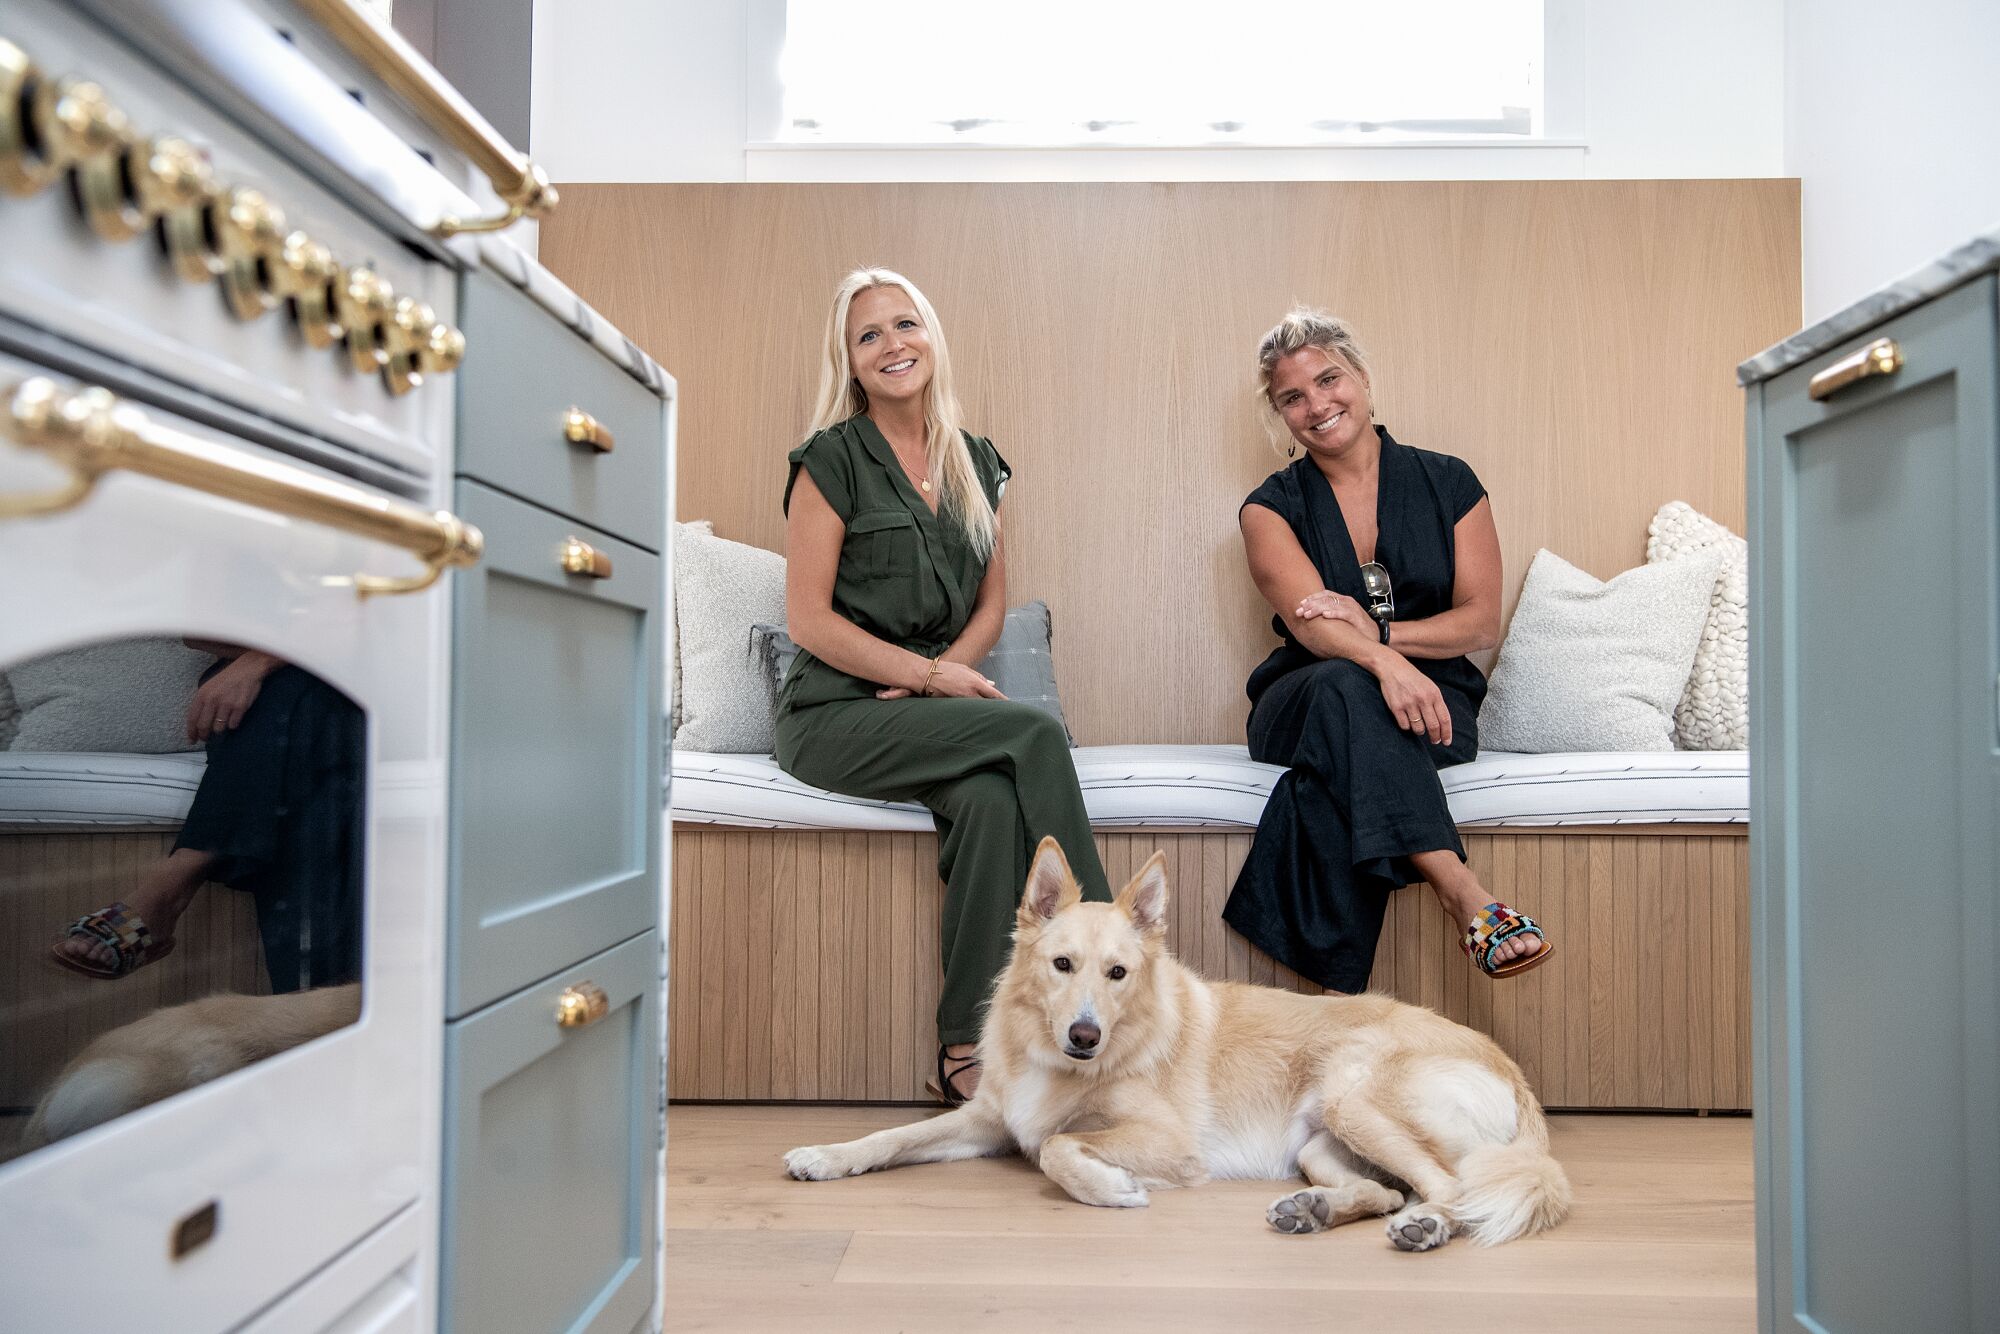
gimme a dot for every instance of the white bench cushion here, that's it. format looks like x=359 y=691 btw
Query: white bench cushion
x=81 y=788
x=1193 y=786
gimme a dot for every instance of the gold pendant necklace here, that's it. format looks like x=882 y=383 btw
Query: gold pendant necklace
x=927 y=486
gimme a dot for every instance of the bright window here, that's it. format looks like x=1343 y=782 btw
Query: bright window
x=1056 y=72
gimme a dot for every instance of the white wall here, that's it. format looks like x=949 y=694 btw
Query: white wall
x=1892 y=117
x=640 y=90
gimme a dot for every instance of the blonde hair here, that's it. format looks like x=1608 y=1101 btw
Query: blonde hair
x=1305 y=327
x=960 y=494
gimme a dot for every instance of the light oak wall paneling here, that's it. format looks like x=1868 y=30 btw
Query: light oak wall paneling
x=48 y=879
x=1574 y=341
x=843 y=966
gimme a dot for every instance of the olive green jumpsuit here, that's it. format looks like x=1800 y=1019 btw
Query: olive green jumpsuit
x=995 y=775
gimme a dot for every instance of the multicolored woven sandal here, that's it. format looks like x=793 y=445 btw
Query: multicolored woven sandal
x=1494 y=925
x=123 y=931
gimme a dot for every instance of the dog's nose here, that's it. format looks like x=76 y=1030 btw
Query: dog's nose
x=1084 y=1035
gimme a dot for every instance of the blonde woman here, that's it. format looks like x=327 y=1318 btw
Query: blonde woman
x=895 y=589
x=1382 y=565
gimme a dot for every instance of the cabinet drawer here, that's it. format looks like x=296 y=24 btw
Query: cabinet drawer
x=555 y=785
x=512 y=406
x=551 y=1155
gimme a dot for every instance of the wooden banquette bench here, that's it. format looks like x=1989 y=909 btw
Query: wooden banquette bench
x=804 y=932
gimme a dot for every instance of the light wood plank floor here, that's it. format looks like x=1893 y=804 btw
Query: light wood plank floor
x=1661 y=1239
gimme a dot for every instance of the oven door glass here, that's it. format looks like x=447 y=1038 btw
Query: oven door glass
x=182 y=843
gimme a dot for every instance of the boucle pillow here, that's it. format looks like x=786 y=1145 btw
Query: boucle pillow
x=1593 y=666
x=721 y=589
x=1021 y=664
x=1714 y=713
x=129 y=696
x=704 y=528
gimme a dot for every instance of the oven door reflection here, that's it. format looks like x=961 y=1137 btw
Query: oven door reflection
x=181 y=854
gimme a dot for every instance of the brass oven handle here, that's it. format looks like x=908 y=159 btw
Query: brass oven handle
x=580 y=428
x=581 y=1006
x=1881 y=357
x=93 y=433
x=579 y=557
x=521 y=185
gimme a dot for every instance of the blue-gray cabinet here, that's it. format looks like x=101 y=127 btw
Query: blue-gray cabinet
x=1876 y=797
x=553 y=1041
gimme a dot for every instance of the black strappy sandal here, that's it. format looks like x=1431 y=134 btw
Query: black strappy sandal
x=942 y=1088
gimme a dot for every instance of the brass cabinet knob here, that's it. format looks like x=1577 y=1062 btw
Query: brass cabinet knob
x=303 y=275
x=581 y=1005
x=249 y=233
x=579 y=557
x=25 y=167
x=580 y=428
x=363 y=303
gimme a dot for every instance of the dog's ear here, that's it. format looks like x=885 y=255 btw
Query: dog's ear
x=1145 y=899
x=1051 y=887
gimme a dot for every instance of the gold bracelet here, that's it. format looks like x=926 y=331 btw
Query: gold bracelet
x=931 y=675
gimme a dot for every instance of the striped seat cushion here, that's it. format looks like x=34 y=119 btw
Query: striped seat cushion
x=112 y=791
x=1195 y=786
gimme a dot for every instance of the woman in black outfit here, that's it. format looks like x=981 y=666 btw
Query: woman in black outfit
x=1383 y=566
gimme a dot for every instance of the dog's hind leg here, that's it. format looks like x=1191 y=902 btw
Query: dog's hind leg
x=1391 y=1143
x=1339 y=1194
x=972 y=1131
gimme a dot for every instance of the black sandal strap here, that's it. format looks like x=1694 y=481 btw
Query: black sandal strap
x=945 y=1085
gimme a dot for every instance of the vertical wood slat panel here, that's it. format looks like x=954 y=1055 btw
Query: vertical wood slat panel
x=759 y=952
x=851 y=1012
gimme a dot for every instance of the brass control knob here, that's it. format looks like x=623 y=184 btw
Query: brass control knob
x=78 y=123
x=249 y=233
x=303 y=275
x=444 y=350
x=175 y=182
x=363 y=303
x=408 y=334
x=25 y=167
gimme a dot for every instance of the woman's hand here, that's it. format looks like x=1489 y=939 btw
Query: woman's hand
x=1331 y=606
x=221 y=701
x=1415 y=702
x=953 y=680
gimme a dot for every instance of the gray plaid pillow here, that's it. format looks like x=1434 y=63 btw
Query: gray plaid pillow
x=1020 y=664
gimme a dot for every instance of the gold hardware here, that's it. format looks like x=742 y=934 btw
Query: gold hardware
x=249 y=233
x=180 y=181
x=581 y=1006
x=1881 y=357
x=77 y=122
x=406 y=336
x=579 y=557
x=93 y=433
x=580 y=428
x=303 y=275
x=521 y=185
x=444 y=349
x=25 y=167
x=363 y=302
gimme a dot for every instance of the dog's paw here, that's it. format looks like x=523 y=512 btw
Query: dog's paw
x=820 y=1162
x=1302 y=1211
x=1419 y=1228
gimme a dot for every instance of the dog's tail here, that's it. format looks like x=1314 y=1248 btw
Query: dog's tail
x=1514 y=1189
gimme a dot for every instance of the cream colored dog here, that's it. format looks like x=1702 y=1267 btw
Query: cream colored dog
x=173 y=1050
x=1117 y=1071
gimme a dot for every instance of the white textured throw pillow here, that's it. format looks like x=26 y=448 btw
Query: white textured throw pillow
x=1597 y=666
x=702 y=528
x=1714 y=713
x=721 y=589
x=129 y=696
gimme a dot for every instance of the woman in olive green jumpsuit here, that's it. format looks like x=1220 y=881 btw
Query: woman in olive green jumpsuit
x=895 y=590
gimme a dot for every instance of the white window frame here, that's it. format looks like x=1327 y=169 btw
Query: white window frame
x=1556 y=153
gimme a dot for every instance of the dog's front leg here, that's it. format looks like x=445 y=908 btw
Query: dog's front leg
x=972 y=1131
x=1113 y=1167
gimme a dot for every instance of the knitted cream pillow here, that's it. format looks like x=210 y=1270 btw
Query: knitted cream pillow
x=703 y=528
x=1597 y=666
x=1714 y=713
x=721 y=589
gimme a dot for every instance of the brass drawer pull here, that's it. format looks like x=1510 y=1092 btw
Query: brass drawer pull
x=1881 y=357
x=521 y=185
x=579 y=557
x=93 y=433
x=582 y=1005
x=580 y=428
